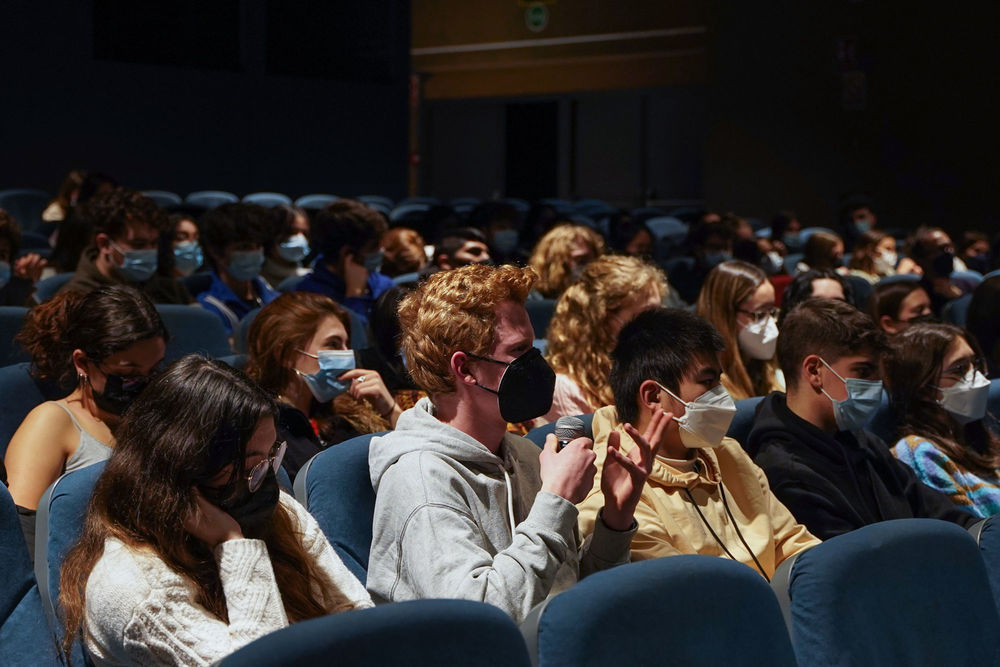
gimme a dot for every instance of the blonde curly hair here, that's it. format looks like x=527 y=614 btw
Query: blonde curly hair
x=553 y=253
x=455 y=310
x=580 y=337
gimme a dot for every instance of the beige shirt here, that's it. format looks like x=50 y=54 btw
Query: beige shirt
x=670 y=525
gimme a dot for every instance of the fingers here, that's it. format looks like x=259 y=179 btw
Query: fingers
x=551 y=443
x=624 y=461
x=355 y=373
x=655 y=438
x=614 y=440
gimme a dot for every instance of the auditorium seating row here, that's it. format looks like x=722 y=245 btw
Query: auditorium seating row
x=907 y=592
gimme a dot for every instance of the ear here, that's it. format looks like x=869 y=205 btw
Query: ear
x=443 y=261
x=80 y=363
x=103 y=241
x=649 y=396
x=810 y=371
x=888 y=324
x=459 y=369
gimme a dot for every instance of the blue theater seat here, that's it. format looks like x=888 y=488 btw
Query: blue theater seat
x=902 y=592
x=682 y=610
x=418 y=633
x=193 y=329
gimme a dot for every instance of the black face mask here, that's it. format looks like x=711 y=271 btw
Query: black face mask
x=252 y=511
x=944 y=264
x=525 y=390
x=923 y=319
x=118 y=393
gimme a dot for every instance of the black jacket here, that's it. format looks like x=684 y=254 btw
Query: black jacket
x=834 y=483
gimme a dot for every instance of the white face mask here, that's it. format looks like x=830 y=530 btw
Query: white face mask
x=706 y=419
x=966 y=399
x=758 y=339
x=886 y=262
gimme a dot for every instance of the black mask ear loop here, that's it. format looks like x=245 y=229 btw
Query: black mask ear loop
x=495 y=392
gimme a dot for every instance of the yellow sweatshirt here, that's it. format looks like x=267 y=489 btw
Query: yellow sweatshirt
x=670 y=525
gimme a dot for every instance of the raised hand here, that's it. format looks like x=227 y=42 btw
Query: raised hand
x=568 y=473
x=624 y=475
x=210 y=523
x=367 y=385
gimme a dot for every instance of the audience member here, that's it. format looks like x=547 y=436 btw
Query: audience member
x=934 y=254
x=73 y=236
x=403 y=252
x=458 y=247
x=630 y=237
x=588 y=316
x=934 y=376
x=288 y=244
x=738 y=300
x=95 y=183
x=464 y=509
x=667 y=363
x=896 y=305
x=235 y=236
x=18 y=275
x=347 y=237
x=874 y=256
x=300 y=351
x=785 y=232
x=858 y=217
x=983 y=321
x=814 y=284
x=710 y=243
x=832 y=473
x=823 y=251
x=104 y=344
x=974 y=251
x=501 y=223
x=185 y=244
x=125 y=228
x=385 y=354
x=189 y=549
x=561 y=255
x=58 y=209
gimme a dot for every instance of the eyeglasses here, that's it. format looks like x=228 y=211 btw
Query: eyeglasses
x=259 y=472
x=759 y=315
x=962 y=369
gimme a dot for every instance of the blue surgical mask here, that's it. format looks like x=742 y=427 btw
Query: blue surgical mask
x=791 y=239
x=713 y=259
x=4 y=273
x=863 y=399
x=863 y=225
x=187 y=257
x=505 y=240
x=324 y=384
x=245 y=264
x=137 y=265
x=373 y=261
x=294 y=248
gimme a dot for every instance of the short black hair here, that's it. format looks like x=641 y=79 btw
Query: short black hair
x=454 y=239
x=346 y=223
x=830 y=328
x=232 y=223
x=111 y=212
x=658 y=344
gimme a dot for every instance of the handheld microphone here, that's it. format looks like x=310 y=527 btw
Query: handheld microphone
x=569 y=429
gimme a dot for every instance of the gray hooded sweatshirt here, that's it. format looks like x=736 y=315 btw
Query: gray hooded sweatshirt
x=453 y=520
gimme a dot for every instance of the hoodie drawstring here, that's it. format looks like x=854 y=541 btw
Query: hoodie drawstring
x=510 y=501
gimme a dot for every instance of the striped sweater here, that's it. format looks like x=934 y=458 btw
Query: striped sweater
x=973 y=493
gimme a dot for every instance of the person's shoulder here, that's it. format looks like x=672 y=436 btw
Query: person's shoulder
x=123 y=577
x=49 y=419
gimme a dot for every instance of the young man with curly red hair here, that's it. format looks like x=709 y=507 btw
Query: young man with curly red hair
x=464 y=509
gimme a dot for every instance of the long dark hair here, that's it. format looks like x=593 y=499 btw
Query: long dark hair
x=101 y=323
x=911 y=371
x=189 y=423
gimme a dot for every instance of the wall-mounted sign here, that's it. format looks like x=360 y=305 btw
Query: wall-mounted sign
x=536 y=17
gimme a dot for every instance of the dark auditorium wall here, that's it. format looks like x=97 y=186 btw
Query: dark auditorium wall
x=812 y=101
x=300 y=105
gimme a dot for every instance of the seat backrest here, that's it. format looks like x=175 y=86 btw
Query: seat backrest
x=540 y=312
x=11 y=321
x=956 y=311
x=268 y=199
x=988 y=536
x=25 y=636
x=210 y=198
x=538 y=434
x=289 y=284
x=164 y=198
x=315 y=201
x=728 y=613
x=862 y=290
x=746 y=413
x=46 y=288
x=25 y=205
x=420 y=633
x=336 y=488
x=21 y=393
x=241 y=333
x=197 y=283
x=902 y=592
x=58 y=524
x=193 y=329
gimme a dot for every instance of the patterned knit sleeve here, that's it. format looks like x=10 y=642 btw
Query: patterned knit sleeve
x=931 y=465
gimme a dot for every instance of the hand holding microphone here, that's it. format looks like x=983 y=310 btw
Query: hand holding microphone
x=567 y=463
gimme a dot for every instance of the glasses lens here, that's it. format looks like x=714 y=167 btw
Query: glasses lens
x=257 y=475
x=279 y=456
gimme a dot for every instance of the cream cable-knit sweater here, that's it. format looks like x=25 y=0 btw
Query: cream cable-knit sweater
x=139 y=611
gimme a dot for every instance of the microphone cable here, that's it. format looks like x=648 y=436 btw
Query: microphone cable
x=722 y=492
